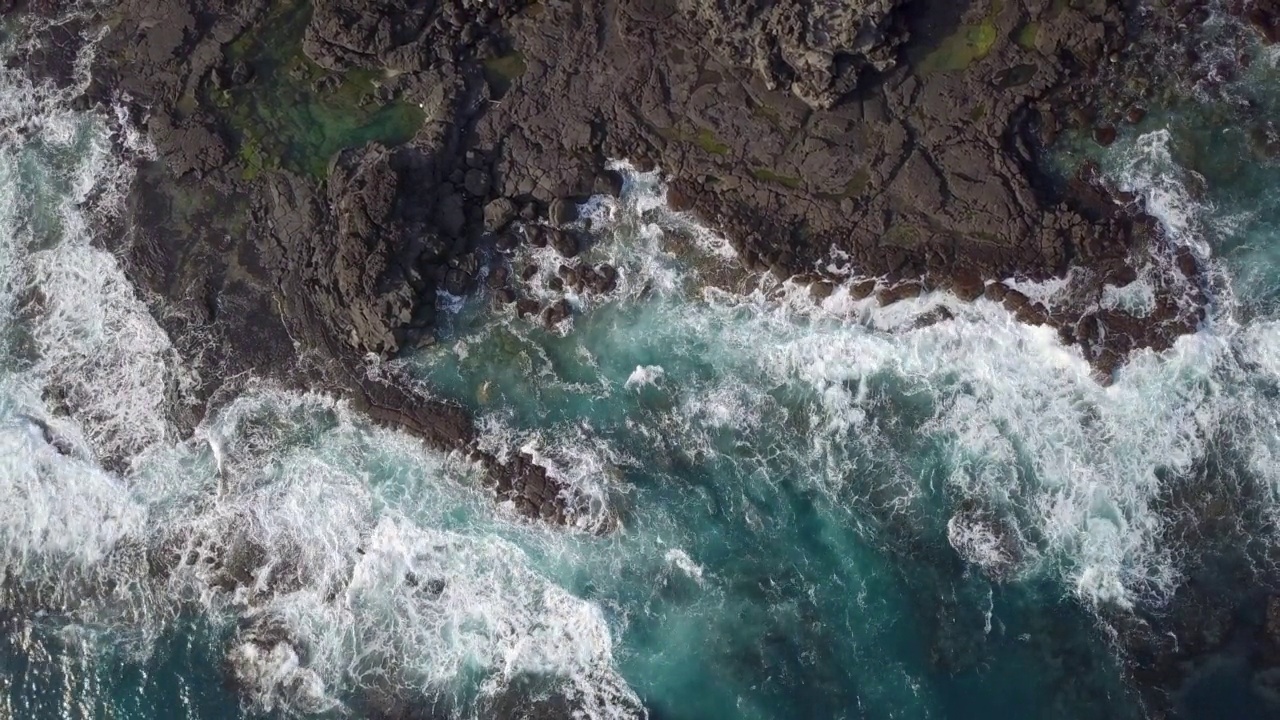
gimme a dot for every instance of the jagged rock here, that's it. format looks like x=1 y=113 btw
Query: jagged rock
x=1265 y=16
x=818 y=52
x=557 y=312
x=526 y=307
x=899 y=292
x=608 y=182
x=561 y=212
x=498 y=214
x=564 y=242
x=476 y=183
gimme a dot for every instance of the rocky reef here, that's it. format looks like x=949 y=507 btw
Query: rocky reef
x=327 y=171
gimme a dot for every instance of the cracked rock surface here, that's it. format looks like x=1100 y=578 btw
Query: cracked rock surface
x=903 y=137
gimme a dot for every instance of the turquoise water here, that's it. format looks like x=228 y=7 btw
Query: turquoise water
x=813 y=510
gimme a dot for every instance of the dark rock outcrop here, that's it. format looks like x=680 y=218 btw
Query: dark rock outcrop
x=905 y=136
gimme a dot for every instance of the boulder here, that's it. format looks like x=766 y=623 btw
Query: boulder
x=561 y=212
x=557 y=312
x=476 y=183
x=498 y=214
x=564 y=242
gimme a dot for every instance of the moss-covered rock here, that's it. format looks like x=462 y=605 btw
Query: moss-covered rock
x=286 y=111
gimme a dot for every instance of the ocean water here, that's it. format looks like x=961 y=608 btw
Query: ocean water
x=818 y=510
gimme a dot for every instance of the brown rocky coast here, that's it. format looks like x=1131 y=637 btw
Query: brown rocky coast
x=907 y=134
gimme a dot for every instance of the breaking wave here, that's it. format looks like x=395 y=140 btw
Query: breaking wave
x=1071 y=467
x=344 y=569
x=793 y=478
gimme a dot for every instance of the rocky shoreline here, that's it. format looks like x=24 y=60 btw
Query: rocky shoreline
x=905 y=135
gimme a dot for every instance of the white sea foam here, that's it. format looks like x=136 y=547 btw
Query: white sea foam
x=328 y=530
x=95 y=345
x=1138 y=298
x=361 y=560
x=680 y=560
x=283 y=508
x=1026 y=425
x=644 y=375
x=1148 y=168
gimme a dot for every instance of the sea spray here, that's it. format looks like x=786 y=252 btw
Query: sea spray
x=826 y=507
x=321 y=564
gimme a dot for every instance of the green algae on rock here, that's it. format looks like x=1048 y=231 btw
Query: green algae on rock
x=767 y=175
x=704 y=139
x=961 y=49
x=287 y=111
x=1027 y=35
x=501 y=71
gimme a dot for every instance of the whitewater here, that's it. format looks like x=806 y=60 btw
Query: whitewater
x=818 y=509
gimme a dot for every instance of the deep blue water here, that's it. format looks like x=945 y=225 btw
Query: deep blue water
x=819 y=511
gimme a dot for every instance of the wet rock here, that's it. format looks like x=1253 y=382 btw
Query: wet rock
x=498 y=214
x=968 y=285
x=1187 y=263
x=563 y=242
x=1032 y=313
x=569 y=275
x=608 y=182
x=934 y=316
x=1104 y=135
x=862 y=289
x=678 y=198
x=498 y=277
x=1135 y=114
x=504 y=296
x=557 y=313
x=476 y=183
x=457 y=282
x=601 y=280
x=1122 y=276
x=899 y=292
x=507 y=242
x=526 y=307
x=562 y=212
x=821 y=290
x=1264 y=15
x=1015 y=300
